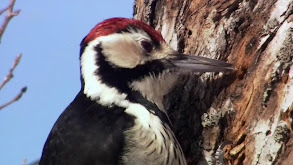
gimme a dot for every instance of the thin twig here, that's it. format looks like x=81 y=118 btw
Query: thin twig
x=24 y=161
x=17 y=97
x=3 y=10
x=9 y=15
x=10 y=73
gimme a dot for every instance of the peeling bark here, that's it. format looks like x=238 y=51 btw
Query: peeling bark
x=251 y=108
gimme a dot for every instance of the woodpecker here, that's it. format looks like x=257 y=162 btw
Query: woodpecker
x=118 y=116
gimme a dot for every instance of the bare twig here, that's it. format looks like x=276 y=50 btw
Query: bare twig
x=3 y=10
x=7 y=78
x=10 y=73
x=17 y=97
x=9 y=15
x=23 y=162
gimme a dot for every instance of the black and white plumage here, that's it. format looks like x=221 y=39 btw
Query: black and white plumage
x=118 y=116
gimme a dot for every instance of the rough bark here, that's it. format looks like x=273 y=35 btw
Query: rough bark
x=245 y=116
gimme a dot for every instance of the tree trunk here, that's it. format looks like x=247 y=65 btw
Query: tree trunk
x=246 y=116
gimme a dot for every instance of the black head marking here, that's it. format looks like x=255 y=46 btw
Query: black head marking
x=121 y=77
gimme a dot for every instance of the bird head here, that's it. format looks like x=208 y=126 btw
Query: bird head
x=121 y=55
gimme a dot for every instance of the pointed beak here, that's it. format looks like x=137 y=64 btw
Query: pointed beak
x=190 y=63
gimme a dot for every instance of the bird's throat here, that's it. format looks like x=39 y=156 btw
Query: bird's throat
x=154 y=88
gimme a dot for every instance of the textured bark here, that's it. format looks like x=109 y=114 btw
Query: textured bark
x=250 y=110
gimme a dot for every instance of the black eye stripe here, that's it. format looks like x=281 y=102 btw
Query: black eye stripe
x=147 y=46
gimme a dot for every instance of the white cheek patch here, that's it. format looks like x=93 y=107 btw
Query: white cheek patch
x=93 y=86
x=122 y=50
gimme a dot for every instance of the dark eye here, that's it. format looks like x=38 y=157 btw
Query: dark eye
x=147 y=46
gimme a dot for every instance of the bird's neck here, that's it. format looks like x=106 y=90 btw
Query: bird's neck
x=151 y=88
x=104 y=94
x=154 y=88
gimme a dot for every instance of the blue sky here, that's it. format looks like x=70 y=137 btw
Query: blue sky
x=48 y=34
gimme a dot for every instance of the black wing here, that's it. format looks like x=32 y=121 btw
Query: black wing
x=87 y=133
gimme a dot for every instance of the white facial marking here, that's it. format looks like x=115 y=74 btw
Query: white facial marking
x=93 y=86
x=124 y=49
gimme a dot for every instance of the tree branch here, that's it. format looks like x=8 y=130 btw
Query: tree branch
x=17 y=97
x=10 y=73
x=10 y=14
x=7 y=78
x=3 y=10
x=24 y=161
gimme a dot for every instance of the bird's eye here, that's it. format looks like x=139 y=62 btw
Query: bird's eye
x=147 y=46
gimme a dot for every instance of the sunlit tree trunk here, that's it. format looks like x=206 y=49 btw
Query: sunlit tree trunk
x=245 y=116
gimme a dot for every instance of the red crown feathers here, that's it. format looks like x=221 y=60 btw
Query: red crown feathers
x=113 y=25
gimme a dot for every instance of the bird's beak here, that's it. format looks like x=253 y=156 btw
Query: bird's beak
x=190 y=63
